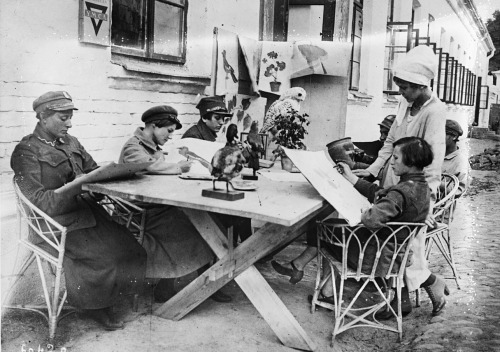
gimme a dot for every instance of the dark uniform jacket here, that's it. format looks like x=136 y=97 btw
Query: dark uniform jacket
x=41 y=168
x=200 y=131
x=408 y=201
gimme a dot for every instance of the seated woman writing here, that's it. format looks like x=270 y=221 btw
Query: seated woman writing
x=408 y=201
x=174 y=246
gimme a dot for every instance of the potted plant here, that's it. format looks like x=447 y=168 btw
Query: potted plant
x=291 y=130
x=273 y=66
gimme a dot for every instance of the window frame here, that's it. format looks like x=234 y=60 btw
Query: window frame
x=356 y=6
x=410 y=39
x=443 y=75
x=437 y=79
x=467 y=78
x=465 y=85
x=486 y=95
x=459 y=87
x=451 y=80
x=148 y=51
x=473 y=90
x=470 y=88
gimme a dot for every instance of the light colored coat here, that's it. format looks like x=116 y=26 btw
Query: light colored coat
x=429 y=124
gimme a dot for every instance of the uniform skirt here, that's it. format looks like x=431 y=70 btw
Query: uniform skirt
x=174 y=246
x=102 y=262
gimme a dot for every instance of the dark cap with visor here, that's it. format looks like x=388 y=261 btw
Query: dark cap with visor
x=162 y=112
x=55 y=101
x=214 y=104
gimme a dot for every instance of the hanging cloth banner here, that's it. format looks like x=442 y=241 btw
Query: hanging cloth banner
x=275 y=66
x=227 y=63
x=320 y=58
x=252 y=53
x=247 y=66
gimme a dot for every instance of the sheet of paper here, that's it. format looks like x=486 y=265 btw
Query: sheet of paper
x=199 y=168
x=283 y=176
x=171 y=155
x=332 y=186
x=204 y=149
x=104 y=173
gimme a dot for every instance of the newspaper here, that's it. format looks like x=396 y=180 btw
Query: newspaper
x=106 y=172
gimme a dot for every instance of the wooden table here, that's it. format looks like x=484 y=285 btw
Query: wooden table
x=285 y=207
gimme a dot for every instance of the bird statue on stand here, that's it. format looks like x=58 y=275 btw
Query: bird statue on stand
x=232 y=136
x=255 y=147
x=290 y=99
x=227 y=164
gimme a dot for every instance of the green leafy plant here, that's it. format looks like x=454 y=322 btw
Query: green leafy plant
x=273 y=65
x=291 y=130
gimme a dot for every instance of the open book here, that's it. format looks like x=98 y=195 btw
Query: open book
x=340 y=193
x=107 y=172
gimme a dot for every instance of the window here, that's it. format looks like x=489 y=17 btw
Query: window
x=451 y=80
x=310 y=20
x=399 y=40
x=401 y=37
x=483 y=96
x=153 y=29
x=357 y=27
x=471 y=88
x=443 y=75
x=459 y=87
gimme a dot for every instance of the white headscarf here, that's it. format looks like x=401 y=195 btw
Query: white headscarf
x=419 y=66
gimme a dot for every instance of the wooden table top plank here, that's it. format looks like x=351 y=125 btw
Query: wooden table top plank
x=283 y=203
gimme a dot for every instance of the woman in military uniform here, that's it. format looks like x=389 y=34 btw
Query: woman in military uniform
x=102 y=259
x=174 y=246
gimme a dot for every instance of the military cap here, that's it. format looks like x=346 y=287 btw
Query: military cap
x=55 y=101
x=162 y=112
x=453 y=127
x=388 y=121
x=213 y=104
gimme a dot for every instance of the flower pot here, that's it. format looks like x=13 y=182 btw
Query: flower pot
x=275 y=86
x=286 y=164
x=342 y=150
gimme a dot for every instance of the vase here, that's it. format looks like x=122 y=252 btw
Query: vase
x=275 y=86
x=342 y=150
x=286 y=163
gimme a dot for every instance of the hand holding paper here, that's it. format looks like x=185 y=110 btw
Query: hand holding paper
x=320 y=172
x=103 y=173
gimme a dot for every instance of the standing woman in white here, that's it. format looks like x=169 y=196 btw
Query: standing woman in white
x=420 y=114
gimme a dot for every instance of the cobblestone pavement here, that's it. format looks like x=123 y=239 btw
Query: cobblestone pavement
x=471 y=319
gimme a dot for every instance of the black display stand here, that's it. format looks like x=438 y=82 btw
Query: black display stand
x=222 y=194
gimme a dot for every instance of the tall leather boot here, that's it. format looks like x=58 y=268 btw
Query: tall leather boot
x=436 y=291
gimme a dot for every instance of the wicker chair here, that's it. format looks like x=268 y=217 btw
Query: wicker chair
x=45 y=240
x=443 y=213
x=381 y=254
x=126 y=213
